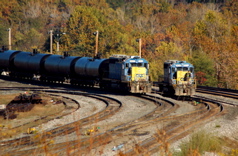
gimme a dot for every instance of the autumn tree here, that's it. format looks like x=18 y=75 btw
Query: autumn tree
x=213 y=36
x=201 y=33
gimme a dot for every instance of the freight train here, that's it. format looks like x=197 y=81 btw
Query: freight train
x=178 y=79
x=121 y=72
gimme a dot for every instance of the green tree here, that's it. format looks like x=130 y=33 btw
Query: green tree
x=115 y=4
x=203 y=64
x=113 y=38
x=3 y=34
x=82 y=23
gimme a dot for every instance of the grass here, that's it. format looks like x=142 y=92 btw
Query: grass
x=199 y=143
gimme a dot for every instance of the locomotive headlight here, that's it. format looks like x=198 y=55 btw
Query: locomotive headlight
x=139 y=75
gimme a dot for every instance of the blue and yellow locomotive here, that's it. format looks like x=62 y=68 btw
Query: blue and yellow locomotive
x=178 y=78
x=129 y=73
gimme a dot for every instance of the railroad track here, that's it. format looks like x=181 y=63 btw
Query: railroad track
x=169 y=128
x=111 y=107
x=168 y=134
x=106 y=137
x=163 y=107
x=177 y=130
x=160 y=115
x=137 y=128
x=223 y=93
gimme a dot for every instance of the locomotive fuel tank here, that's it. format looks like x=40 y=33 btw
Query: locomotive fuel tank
x=6 y=58
x=88 y=67
x=59 y=65
x=31 y=62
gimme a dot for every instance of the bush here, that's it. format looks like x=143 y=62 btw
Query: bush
x=199 y=143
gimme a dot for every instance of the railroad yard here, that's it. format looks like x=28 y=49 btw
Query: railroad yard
x=93 y=122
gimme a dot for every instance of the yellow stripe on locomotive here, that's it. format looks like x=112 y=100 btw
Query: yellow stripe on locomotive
x=138 y=74
x=183 y=77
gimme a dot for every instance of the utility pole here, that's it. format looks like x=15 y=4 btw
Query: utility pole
x=57 y=46
x=57 y=38
x=96 y=49
x=140 y=42
x=9 y=39
x=51 y=41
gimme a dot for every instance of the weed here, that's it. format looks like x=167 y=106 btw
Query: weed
x=199 y=143
x=162 y=138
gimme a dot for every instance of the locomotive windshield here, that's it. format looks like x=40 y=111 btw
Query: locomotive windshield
x=136 y=64
x=182 y=68
x=139 y=64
